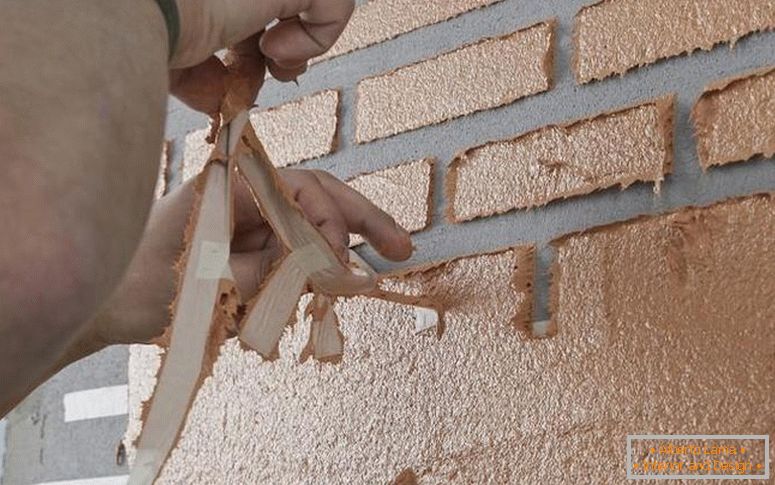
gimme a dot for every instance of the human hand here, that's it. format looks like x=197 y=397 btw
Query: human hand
x=139 y=311
x=306 y=29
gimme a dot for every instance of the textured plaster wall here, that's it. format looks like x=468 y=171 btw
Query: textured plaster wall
x=461 y=408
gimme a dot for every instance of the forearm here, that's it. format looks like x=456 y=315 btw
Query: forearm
x=82 y=100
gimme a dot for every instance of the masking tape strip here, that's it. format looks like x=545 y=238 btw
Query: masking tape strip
x=425 y=318
x=213 y=260
x=310 y=259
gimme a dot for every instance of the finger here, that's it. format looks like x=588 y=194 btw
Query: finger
x=364 y=218
x=286 y=74
x=250 y=269
x=319 y=209
x=201 y=87
x=304 y=34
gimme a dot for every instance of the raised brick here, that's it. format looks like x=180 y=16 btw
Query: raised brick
x=554 y=162
x=734 y=119
x=405 y=192
x=380 y=20
x=485 y=75
x=300 y=130
x=612 y=36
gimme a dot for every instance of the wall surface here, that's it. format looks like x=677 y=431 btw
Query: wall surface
x=549 y=156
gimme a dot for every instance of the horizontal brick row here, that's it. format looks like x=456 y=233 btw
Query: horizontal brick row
x=734 y=119
x=404 y=191
x=554 y=162
x=291 y=133
x=380 y=20
x=485 y=75
x=613 y=36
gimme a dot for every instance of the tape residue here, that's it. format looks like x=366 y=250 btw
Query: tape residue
x=213 y=259
x=425 y=318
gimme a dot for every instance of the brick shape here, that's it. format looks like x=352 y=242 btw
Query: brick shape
x=480 y=76
x=380 y=20
x=555 y=162
x=300 y=130
x=613 y=36
x=291 y=133
x=404 y=191
x=734 y=119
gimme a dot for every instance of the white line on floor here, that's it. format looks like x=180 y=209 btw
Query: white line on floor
x=95 y=403
x=114 y=480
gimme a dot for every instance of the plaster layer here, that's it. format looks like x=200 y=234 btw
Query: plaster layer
x=734 y=119
x=484 y=75
x=196 y=152
x=404 y=191
x=397 y=400
x=673 y=323
x=669 y=351
x=380 y=20
x=291 y=133
x=143 y=366
x=299 y=130
x=613 y=36
x=554 y=162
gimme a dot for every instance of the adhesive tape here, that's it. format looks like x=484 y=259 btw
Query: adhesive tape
x=310 y=259
x=425 y=318
x=213 y=259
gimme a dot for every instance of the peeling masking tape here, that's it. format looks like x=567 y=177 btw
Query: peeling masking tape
x=425 y=318
x=310 y=259
x=213 y=259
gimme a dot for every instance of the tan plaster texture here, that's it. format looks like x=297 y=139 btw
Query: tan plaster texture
x=555 y=162
x=387 y=406
x=144 y=363
x=734 y=119
x=672 y=320
x=300 y=130
x=291 y=133
x=480 y=76
x=380 y=20
x=404 y=191
x=196 y=152
x=613 y=36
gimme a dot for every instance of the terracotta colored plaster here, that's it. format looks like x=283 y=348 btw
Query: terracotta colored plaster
x=476 y=77
x=379 y=20
x=613 y=36
x=734 y=119
x=555 y=162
